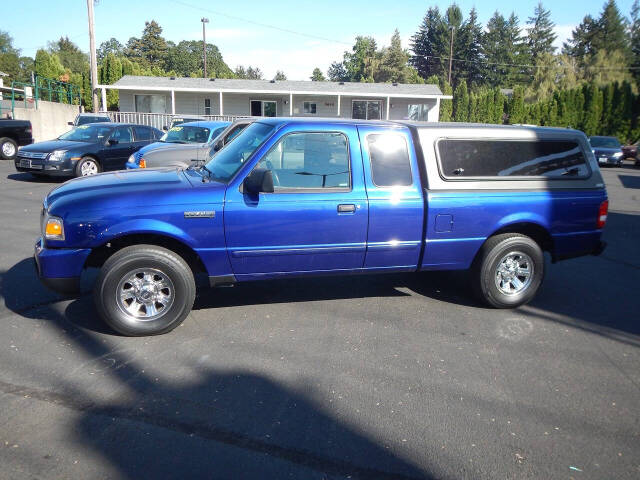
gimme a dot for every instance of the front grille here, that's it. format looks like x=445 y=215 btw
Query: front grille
x=38 y=155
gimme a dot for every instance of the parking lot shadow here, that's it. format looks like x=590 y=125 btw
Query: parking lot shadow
x=226 y=424
x=27 y=177
x=629 y=181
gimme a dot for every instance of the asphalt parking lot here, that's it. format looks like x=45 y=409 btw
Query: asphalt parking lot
x=397 y=376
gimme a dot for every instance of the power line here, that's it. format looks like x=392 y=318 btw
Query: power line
x=260 y=24
x=524 y=65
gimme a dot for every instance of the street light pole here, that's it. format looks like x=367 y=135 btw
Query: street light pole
x=204 y=44
x=92 y=57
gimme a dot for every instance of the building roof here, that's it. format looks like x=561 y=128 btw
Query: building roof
x=131 y=82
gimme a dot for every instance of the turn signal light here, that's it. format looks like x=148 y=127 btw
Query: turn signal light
x=143 y=163
x=602 y=214
x=53 y=229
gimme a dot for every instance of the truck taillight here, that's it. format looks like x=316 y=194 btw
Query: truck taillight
x=602 y=214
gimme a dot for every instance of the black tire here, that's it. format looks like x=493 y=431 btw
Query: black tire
x=120 y=266
x=8 y=144
x=87 y=161
x=490 y=257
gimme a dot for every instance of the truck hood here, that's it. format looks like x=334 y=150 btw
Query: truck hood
x=161 y=146
x=128 y=189
x=52 y=145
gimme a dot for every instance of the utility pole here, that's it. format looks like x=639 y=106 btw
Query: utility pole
x=451 y=53
x=204 y=44
x=92 y=54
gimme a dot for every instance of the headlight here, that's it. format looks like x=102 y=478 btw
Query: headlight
x=57 y=155
x=617 y=155
x=131 y=159
x=53 y=228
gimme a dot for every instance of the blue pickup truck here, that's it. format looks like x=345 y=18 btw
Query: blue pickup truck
x=293 y=197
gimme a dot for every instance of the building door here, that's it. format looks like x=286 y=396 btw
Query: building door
x=366 y=109
x=263 y=108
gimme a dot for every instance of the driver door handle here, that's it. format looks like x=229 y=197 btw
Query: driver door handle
x=346 y=208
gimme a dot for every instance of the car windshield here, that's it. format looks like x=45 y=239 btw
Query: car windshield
x=226 y=162
x=85 y=120
x=87 y=133
x=604 y=142
x=186 y=134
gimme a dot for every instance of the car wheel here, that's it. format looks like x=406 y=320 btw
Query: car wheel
x=87 y=166
x=8 y=148
x=508 y=270
x=144 y=290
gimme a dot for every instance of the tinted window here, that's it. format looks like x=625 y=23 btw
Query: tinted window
x=390 y=164
x=142 y=133
x=309 y=160
x=84 y=120
x=186 y=134
x=122 y=134
x=511 y=158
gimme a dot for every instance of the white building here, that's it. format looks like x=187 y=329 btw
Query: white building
x=234 y=98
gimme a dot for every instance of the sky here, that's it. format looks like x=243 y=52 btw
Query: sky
x=242 y=32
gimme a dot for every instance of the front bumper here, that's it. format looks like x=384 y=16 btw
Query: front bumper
x=65 y=168
x=59 y=268
x=603 y=160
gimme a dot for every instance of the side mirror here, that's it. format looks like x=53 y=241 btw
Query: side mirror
x=218 y=145
x=70 y=123
x=165 y=128
x=259 y=180
x=113 y=141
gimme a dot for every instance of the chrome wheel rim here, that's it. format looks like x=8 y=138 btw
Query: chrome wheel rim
x=145 y=294
x=88 y=167
x=514 y=273
x=8 y=149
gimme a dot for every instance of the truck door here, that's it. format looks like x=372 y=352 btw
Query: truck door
x=316 y=218
x=396 y=204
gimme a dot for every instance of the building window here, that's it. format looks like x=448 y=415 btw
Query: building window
x=263 y=108
x=150 y=103
x=309 y=108
x=207 y=106
x=366 y=109
x=419 y=112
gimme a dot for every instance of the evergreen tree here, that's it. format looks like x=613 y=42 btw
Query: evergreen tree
x=634 y=37
x=611 y=33
x=593 y=109
x=151 y=49
x=393 y=64
x=317 y=75
x=516 y=106
x=468 y=47
x=337 y=72
x=581 y=42
x=110 y=46
x=540 y=35
x=362 y=61
x=429 y=45
x=504 y=50
x=69 y=54
x=446 y=106
x=280 y=76
x=461 y=103
x=185 y=59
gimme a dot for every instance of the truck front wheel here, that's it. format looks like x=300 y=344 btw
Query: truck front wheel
x=144 y=290
x=8 y=148
x=508 y=270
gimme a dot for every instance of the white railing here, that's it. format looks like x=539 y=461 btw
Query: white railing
x=159 y=120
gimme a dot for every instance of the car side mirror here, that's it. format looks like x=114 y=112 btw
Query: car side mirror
x=70 y=123
x=113 y=141
x=218 y=145
x=260 y=180
x=165 y=128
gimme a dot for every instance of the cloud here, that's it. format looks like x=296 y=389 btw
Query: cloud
x=564 y=33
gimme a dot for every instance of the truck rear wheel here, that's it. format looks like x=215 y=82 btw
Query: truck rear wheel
x=144 y=290
x=508 y=270
x=8 y=148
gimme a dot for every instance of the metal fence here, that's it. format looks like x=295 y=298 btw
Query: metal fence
x=159 y=120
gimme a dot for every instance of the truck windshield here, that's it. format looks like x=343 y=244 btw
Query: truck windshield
x=87 y=133
x=226 y=162
x=186 y=134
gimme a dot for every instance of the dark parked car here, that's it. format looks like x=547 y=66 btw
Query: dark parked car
x=14 y=134
x=184 y=155
x=86 y=150
x=631 y=151
x=184 y=119
x=84 y=118
x=607 y=150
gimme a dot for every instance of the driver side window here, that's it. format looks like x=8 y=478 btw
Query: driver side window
x=122 y=134
x=314 y=160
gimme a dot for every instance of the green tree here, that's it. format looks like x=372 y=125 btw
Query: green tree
x=69 y=54
x=393 y=65
x=16 y=67
x=280 y=76
x=540 y=34
x=110 y=46
x=337 y=72
x=606 y=66
x=634 y=38
x=446 y=106
x=249 y=73
x=185 y=59
x=317 y=75
x=593 y=109
x=516 y=106
x=110 y=72
x=429 y=45
x=461 y=103
x=611 y=32
x=362 y=61
x=468 y=47
x=151 y=49
x=505 y=49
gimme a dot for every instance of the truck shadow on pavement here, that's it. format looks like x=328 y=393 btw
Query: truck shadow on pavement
x=27 y=177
